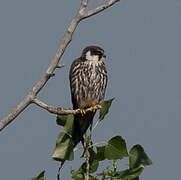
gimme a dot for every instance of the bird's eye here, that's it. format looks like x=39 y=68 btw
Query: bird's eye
x=94 y=52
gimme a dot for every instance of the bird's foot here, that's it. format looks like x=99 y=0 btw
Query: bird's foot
x=97 y=106
x=81 y=111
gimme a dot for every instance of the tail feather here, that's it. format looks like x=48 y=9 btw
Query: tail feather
x=81 y=124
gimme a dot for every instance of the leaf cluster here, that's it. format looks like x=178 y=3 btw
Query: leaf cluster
x=114 y=150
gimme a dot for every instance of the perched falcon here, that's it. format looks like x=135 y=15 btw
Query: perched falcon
x=88 y=81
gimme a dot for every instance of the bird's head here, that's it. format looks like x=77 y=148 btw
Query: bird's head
x=93 y=53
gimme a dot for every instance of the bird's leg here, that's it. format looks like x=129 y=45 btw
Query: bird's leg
x=97 y=106
x=81 y=111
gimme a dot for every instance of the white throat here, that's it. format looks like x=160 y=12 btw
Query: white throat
x=91 y=57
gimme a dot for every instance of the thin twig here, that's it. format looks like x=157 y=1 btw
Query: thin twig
x=81 y=14
x=98 y=143
x=60 y=65
x=87 y=164
x=58 y=173
x=92 y=145
x=96 y=124
x=103 y=176
x=87 y=138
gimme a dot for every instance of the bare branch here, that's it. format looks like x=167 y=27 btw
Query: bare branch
x=100 y=8
x=58 y=110
x=81 y=14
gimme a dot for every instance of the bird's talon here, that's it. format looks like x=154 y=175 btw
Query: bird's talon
x=93 y=108
x=81 y=111
x=98 y=106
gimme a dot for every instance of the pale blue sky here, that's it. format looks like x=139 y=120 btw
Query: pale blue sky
x=142 y=40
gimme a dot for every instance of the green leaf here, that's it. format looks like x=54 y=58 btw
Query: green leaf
x=100 y=153
x=40 y=176
x=61 y=120
x=116 y=148
x=77 y=174
x=137 y=157
x=109 y=172
x=105 y=109
x=134 y=173
x=64 y=148
x=137 y=178
x=94 y=164
x=91 y=153
x=69 y=124
x=92 y=178
x=67 y=121
x=128 y=174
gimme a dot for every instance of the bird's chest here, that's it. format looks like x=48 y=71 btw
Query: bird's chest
x=90 y=75
x=89 y=84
